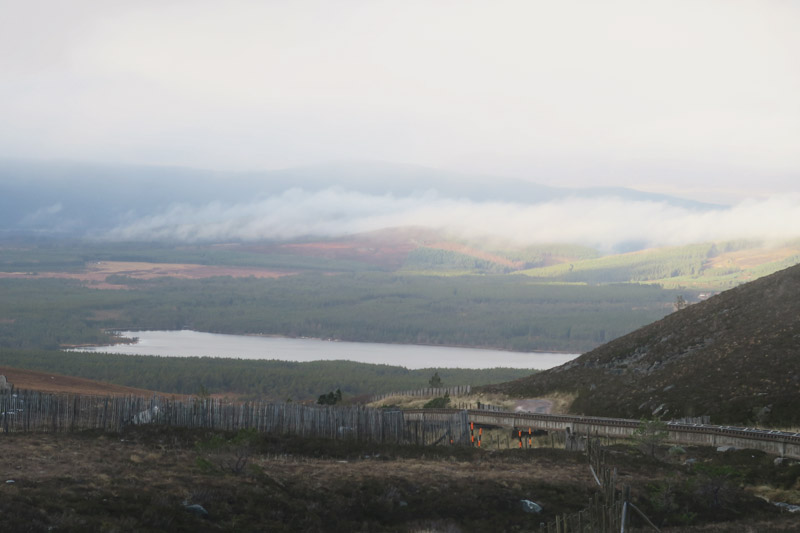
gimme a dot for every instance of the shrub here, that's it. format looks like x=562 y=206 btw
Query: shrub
x=438 y=403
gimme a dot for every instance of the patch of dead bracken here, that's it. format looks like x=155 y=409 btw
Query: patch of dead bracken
x=59 y=384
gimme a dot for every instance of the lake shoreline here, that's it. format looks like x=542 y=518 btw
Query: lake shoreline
x=134 y=340
x=190 y=343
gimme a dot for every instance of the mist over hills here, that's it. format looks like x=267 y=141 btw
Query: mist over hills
x=410 y=217
x=735 y=356
x=128 y=202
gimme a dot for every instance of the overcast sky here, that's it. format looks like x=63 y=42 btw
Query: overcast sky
x=695 y=98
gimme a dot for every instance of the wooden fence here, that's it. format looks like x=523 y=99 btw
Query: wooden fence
x=437 y=429
x=35 y=411
x=430 y=392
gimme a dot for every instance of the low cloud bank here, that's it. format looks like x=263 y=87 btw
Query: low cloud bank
x=605 y=223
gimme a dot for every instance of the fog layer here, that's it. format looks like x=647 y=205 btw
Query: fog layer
x=604 y=222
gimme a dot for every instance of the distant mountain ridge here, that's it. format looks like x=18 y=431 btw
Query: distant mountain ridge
x=735 y=356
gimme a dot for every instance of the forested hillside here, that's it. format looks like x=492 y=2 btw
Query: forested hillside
x=276 y=380
x=444 y=292
x=500 y=312
x=711 y=266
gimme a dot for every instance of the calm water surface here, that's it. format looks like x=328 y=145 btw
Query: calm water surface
x=187 y=343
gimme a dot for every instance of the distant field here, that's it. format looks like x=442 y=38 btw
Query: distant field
x=96 y=275
x=697 y=267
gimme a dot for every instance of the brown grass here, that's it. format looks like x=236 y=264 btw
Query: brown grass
x=555 y=403
x=142 y=478
x=57 y=383
x=95 y=274
x=468 y=402
x=139 y=480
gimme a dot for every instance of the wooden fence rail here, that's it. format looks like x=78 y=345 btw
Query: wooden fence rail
x=430 y=392
x=35 y=411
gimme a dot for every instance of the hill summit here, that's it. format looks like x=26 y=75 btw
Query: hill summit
x=735 y=356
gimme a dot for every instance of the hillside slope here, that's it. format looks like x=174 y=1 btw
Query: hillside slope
x=735 y=356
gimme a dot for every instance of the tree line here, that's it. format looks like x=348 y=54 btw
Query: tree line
x=276 y=380
x=503 y=312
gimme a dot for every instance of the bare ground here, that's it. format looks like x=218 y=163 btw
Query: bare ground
x=57 y=383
